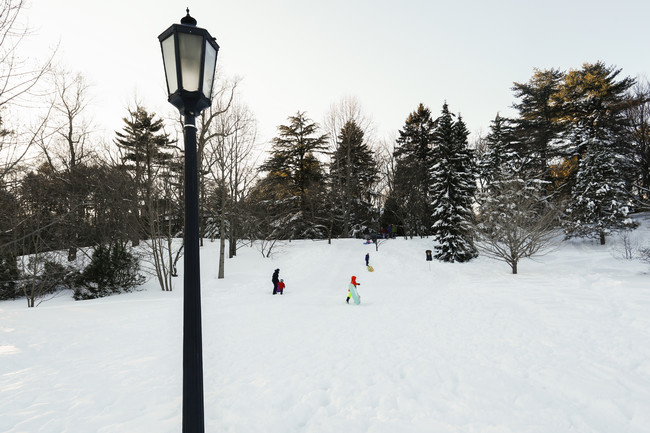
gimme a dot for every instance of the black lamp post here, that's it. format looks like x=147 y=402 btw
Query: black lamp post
x=190 y=57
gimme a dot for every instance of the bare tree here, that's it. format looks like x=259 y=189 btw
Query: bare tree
x=40 y=211
x=229 y=159
x=162 y=226
x=152 y=159
x=18 y=77
x=42 y=274
x=270 y=229
x=515 y=222
x=18 y=83
x=110 y=212
x=384 y=155
x=638 y=116
x=223 y=94
x=64 y=144
x=165 y=254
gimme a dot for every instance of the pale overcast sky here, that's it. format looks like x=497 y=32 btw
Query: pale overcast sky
x=306 y=55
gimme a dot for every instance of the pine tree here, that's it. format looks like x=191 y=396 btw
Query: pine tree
x=594 y=101
x=353 y=172
x=537 y=128
x=295 y=174
x=412 y=173
x=145 y=147
x=452 y=187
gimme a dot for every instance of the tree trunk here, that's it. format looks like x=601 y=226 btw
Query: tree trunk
x=222 y=234
x=222 y=250
x=232 y=242
x=232 y=239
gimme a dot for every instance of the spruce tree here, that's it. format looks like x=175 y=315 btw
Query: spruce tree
x=599 y=203
x=594 y=99
x=451 y=190
x=353 y=172
x=410 y=194
x=498 y=151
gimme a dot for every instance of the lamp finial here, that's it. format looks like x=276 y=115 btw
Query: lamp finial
x=187 y=19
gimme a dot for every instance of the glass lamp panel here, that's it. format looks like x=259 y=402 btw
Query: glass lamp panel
x=189 y=48
x=169 y=59
x=208 y=69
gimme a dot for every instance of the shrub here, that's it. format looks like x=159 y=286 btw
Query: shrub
x=112 y=269
x=43 y=275
x=8 y=277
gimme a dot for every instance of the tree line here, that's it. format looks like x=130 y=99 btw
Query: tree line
x=575 y=158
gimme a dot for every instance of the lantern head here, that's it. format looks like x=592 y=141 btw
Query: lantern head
x=190 y=57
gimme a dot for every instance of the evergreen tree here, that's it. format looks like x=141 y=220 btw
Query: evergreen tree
x=9 y=276
x=410 y=195
x=498 y=151
x=42 y=209
x=452 y=188
x=599 y=202
x=537 y=128
x=145 y=147
x=295 y=174
x=353 y=172
x=9 y=234
x=594 y=100
x=112 y=269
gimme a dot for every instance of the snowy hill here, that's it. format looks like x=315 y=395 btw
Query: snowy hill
x=434 y=347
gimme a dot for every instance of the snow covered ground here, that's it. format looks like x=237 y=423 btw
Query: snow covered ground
x=562 y=347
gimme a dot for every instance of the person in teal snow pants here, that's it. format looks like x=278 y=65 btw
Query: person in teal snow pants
x=354 y=281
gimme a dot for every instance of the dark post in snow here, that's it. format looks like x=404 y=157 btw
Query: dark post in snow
x=190 y=57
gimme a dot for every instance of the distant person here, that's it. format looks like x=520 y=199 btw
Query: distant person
x=367 y=259
x=353 y=282
x=275 y=280
x=281 y=287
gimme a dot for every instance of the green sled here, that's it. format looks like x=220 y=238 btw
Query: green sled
x=355 y=295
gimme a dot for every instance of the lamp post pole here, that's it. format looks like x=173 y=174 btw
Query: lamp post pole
x=190 y=57
x=193 y=417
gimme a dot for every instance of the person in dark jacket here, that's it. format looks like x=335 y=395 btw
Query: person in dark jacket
x=367 y=259
x=275 y=280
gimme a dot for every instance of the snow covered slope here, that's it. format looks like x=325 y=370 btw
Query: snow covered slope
x=434 y=347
